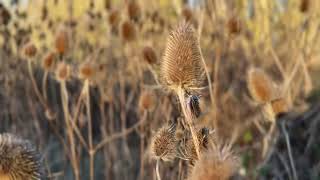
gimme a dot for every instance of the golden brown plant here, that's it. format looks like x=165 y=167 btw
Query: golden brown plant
x=234 y=25
x=29 y=50
x=215 y=164
x=134 y=10
x=19 y=160
x=128 y=31
x=280 y=106
x=62 y=41
x=48 y=61
x=62 y=72
x=304 y=6
x=114 y=18
x=149 y=55
x=187 y=13
x=260 y=85
x=163 y=144
x=87 y=70
x=181 y=65
x=147 y=101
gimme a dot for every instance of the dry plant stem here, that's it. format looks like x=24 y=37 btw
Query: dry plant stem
x=44 y=86
x=34 y=84
x=215 y=91
x=114 y=136
x=157 y=170
x=142 y=138
x=91 y=148
x=65 y=100
x=188 y=118
x=283 y=128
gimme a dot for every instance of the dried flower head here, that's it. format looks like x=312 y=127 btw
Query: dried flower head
x=147 y=101
x=216 y=163
x=30 y=50
x=279 y=106
x=304 y=6
x=114 y=18
x=87 y=70
x=163 y=144
x=128 y=31
x=187 y=13
x=260 y=85
x=234 y=26
x=48 y=61
x=134 y=10
x=62 y=41
x=19 y=160
x=181 y=65
x=62 y=72
x=5 y=15
x=149 y=55
x=187 y=148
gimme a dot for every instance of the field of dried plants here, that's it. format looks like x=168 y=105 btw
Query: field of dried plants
x=141 y=89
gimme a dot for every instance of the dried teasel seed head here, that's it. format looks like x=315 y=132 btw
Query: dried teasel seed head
x=87 y=70
x=187 y=148
x=260 y=85
x=163 y=144
x=181 y=65
x=29 y=50
x=280 y=106
x=149 y=55
x=215 y=163
x=19 y=160
x=134 y=10
x=147 y=101
x=63 y=72
x=187 y=13
x=48 y=61
x=114 y=18
x=193 y=106
x=128 y=31
x=234 y=25
x=62 y=41
x=5 y=15
x=304 y=6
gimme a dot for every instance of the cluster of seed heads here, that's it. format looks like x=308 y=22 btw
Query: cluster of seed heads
x=19 y=160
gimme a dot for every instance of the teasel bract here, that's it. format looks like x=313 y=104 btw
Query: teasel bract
x=19 y=160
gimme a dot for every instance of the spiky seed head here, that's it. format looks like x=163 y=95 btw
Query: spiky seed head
x=147 y=101
x=87 y=70
x=5 y=15
x=48 y=61
x=187 y=13
x=280 y=106
x=149 y=55
x=134 y=10
x=62 y=40
x=234 y=25
x=29 y=50
x=128 y=31
x=193 y=106
x=187 y=149
x=181 y=65
x=304 y=6
x=163 y=144
x=114 y=18
x=260 y=85
x=63 y=72
x=19 y=160
x=216 y=163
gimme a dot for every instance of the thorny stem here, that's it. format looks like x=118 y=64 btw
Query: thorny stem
x=188 y=118
x=64 y=98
